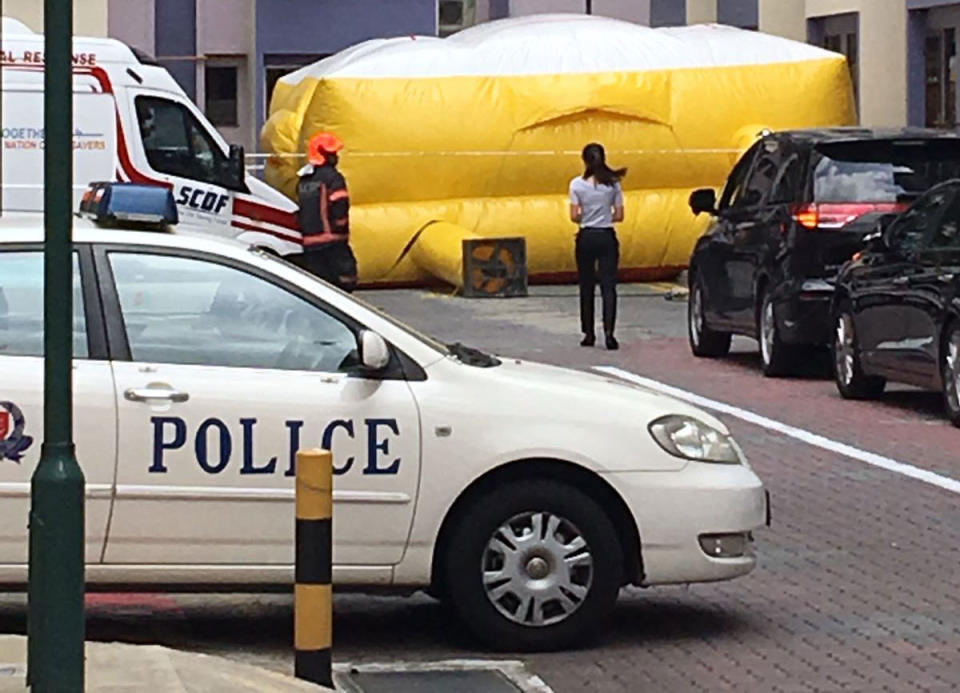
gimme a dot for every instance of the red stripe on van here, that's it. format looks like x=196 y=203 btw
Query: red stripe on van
x=260 y=212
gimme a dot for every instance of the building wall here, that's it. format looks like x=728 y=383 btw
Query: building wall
x=519 y=8
x=134 y=23
x=631 y=10
x=668 y=12
x=89 y=16
x=226 y=37
x=700 y=11
x=176 y=41
x=742 y=13
x=295 y=31
x=881 y=27
x=787 y=18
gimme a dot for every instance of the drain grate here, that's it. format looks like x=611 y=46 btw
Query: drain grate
x=482 y=681
x=447 y=676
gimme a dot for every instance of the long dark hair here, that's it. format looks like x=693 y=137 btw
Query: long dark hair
x=595 y=160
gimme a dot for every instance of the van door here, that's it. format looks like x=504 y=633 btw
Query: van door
x=94 y=138
x=21 y=401
x=227 y=373
x=175 y=146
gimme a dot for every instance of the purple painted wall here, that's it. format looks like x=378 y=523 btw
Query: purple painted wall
x=321 y=27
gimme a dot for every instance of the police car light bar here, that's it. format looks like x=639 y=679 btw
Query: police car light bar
x=142 y=206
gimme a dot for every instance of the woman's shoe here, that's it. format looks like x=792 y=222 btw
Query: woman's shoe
x=612 y=343
x=588 y=340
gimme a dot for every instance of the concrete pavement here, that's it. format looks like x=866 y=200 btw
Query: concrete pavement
x=119 y=668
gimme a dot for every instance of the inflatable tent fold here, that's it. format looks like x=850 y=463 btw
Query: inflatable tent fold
x=483 y=131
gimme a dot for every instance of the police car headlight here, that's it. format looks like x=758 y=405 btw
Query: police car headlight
x=686 y=437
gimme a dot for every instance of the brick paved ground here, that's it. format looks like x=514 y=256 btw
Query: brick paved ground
x=858 y=587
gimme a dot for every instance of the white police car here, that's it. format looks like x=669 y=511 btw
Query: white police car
x=524 y=494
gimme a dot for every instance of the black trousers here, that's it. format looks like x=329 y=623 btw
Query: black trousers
x=334 y=262
x=598 y=253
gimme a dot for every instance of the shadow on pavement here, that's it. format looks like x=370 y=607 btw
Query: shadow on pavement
x=374 y=628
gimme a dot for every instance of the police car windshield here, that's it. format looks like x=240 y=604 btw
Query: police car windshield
x=429 y=341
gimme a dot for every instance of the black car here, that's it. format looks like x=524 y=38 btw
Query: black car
x=896 y=312
x=795 y=208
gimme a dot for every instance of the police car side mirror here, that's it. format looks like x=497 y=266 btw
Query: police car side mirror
x=374 y=352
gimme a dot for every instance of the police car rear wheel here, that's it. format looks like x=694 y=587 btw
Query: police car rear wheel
x=535 y=566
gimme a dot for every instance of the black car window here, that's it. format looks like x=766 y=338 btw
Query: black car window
x=785 y=187
x=737 y=179
x=910 y=232
x=177 y=144
x=760 y=181
x=883 y=171
x=944 y=231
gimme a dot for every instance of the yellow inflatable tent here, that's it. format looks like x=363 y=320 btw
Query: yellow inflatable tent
x=482 y=131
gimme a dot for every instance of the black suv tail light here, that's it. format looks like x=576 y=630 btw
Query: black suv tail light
x=831 y=216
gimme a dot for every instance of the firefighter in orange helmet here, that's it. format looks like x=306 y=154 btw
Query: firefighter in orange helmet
x=325 y=215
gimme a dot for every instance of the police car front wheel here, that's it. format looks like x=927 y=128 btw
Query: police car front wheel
x=534 y=566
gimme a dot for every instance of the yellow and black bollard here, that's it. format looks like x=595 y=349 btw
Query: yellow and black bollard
x=312 y=602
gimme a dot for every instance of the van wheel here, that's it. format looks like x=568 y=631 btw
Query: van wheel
x=776 y=357
x=848 y=373
x=703 y=340
x=535 y=565
x=950 y=368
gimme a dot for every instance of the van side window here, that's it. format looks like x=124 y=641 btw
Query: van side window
x=177 y=144
x=21 y=306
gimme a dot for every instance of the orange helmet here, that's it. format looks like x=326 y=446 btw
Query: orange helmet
x=320 y=145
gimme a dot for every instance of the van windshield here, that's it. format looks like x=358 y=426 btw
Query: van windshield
x=883 y=171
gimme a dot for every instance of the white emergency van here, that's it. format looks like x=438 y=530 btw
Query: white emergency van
x=526 y=495
x=133 y=122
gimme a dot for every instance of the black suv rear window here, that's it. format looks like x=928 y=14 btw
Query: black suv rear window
x=883 y=170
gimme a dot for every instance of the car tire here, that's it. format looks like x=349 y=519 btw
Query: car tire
x=704 y=342
x=950 y=370
x=568 y=581
x=852 y=382
x=776 y=357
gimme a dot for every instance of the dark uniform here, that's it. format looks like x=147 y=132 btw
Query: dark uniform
x=325 y=223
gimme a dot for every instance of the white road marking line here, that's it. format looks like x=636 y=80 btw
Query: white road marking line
x=513 y=670
x=800 y=434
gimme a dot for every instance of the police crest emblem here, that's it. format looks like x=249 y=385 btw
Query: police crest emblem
x=13 y=442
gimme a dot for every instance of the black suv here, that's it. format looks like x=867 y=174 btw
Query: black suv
x=795 y=208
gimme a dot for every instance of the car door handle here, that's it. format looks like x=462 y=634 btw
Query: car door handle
x=900 y=281
x=145 y=394
x=945 y=278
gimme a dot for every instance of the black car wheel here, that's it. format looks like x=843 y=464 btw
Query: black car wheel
x=848 y=373
x=950 y=368
x=703 y=340
x=535 y=565
x=775 y=355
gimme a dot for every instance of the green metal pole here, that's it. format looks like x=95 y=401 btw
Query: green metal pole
x=55 y=622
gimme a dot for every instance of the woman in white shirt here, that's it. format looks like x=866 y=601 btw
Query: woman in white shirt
x=596 y=204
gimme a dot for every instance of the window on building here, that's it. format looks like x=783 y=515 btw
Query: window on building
x=848 y=45
x=220 y=90
x=278 y=66
x=454 y=15
x=940 y=69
